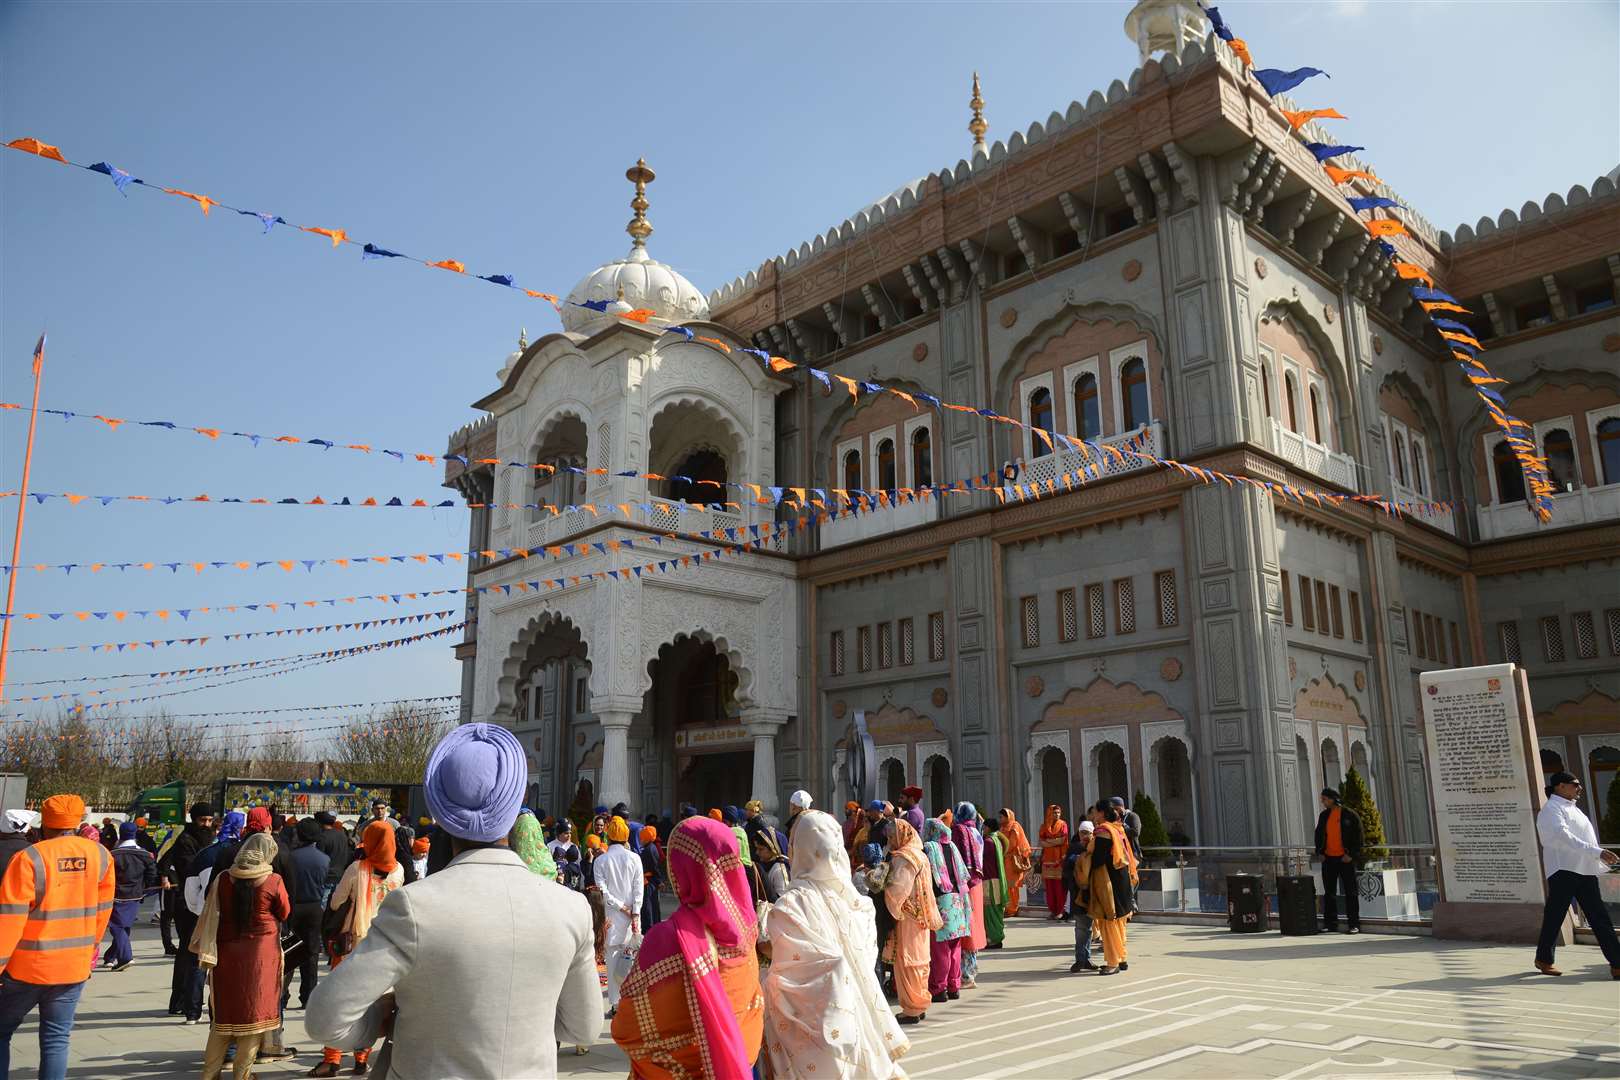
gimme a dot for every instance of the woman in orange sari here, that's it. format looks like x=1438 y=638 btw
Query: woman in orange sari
x=1018 y=852
x=1054 y=842
x=909 y=895
x=1109 y=871
x=692 y=1006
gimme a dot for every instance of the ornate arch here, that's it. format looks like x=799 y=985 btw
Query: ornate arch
x=1334 y=698
x=734 y=658
x=660 y=458
x=850 y=408
x=1442 y=456
x=542 y=624
x=1071 y=310
x=1478 y=423
x=567 y=408
x=1347 y=411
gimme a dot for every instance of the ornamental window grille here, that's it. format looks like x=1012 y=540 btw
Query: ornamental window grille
x=1322 y=623
x=1611 y=619
x=1288 y=601
x=1508 y=634
x=936 y=636
x=1096 y=616
x=1437 y=639
x=1164 y=584
x=1125 y=605
x=885 y=645
x=1336 y=611
x=863 y=648
x=1068 y=615
x=837 y=652
x=1585 y=635
x=1552 y=639
x=1416 y=633
x=1029 y=618
x=1355 y=616
x=908 y=641
x=1307 y=616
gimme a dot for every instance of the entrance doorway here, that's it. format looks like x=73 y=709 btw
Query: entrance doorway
x=716 y=780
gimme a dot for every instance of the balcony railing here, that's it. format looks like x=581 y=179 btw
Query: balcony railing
x=849 y=528
x=1147 y=439
x=1444 y=520
x=1336 y=468
x=1578 y=507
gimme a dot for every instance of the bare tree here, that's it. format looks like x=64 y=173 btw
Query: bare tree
x=391 y=748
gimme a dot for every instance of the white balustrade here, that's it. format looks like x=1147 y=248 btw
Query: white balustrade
x=1578 y=507
x=1338 y=469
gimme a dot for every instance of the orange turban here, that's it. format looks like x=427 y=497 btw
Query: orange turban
x=717 y=815
x=61 y=812
x=648 y=834
x=419 y=846
x=593 y=841
x=618 y=831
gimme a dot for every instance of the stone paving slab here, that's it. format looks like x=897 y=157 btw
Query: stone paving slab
x=1197 y=1002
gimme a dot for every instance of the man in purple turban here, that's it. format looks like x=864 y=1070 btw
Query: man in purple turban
x=452 y=935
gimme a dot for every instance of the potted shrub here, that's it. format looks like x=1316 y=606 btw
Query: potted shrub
x=1384 y=893
x=1161 y=889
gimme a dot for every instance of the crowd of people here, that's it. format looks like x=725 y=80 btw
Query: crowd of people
x=483 y=946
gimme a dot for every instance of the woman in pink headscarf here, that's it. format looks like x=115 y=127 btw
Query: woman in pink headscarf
x=702 y=956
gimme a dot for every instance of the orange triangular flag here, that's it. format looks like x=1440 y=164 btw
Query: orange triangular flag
x=451 y=265
x=337 y=235
x=201 y=200
x=1386 y=227
x=1340 y=176
x=1298 y=118
x=34 y=146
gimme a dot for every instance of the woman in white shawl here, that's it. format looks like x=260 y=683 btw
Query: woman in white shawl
x=825 y=1015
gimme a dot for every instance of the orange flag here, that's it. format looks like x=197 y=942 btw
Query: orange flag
x=1386 y=227
x=780 y=364
x=717 y=343
x=1340 y=176
x=1412 y=272
x=540 y=295
x=640 y=315
x=1435 y=305
x=850 y=385
x=337 y=235
x=446 y=264
x=1298 y=118
x=34 y=146
x=201 y=200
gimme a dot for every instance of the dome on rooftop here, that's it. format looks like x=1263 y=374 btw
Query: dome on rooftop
x=635 y=281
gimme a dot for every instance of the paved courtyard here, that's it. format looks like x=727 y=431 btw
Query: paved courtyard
x=1197 y=1002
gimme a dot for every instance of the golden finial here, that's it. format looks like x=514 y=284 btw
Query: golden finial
x=523 y=339
x=639 y=228
x=977 y=125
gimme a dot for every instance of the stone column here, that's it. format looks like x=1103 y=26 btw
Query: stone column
x=615 y=787
x=764 y=732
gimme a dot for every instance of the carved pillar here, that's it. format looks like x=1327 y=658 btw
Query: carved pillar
x=764 y=732
x=615 y=787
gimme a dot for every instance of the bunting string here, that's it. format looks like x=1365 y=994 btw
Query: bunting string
x=291 y=631
x=1456 y=337
x=390 y=702
x=241 y=665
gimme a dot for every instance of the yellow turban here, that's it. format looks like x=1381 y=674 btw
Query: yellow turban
x=618 y=831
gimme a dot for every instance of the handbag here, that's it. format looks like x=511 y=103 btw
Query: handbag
x=335 y=923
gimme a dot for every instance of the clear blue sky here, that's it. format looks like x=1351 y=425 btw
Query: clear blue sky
x=498 y=135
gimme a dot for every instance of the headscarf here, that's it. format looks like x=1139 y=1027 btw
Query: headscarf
x=253 y=863
x=871 y=854
x=618 y=831
x=529 y=842
x=800 y=800
x=378 y=842
x=906 y=845
x=753 y=807
x=90 y=832
x=1013 y=833
x=713 y=928
x=965 y=835
x=230 y=828
x=955 y=872
x=258 y=820
x=766 y=852
x=947 y=817
x=474 y=782
x=19 y=821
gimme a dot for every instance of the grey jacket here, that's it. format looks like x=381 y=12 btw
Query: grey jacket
x=490 y=967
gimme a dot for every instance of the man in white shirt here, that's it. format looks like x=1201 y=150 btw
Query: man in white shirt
x=1573 y=859
x=564 y=838
x=617 y=872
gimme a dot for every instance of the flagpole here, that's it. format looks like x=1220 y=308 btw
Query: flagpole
x=22 y=507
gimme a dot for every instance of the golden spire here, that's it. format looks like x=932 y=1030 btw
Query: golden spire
x=639 y=228
x=977 y=125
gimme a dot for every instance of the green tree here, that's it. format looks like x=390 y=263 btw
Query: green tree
x=1359 y=799
x=1609 y=828
x=1154 y=837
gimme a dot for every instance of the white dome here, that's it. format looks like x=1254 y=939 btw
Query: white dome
x=645 y=282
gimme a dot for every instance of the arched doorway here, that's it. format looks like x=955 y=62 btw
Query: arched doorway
x=562 y=446
x=705 y=754
x=1112 y=778
x=1307 y=790
x=552 y=707
x=1332 y=768
x=937 y=782
x=699 y=478
x=894 y=780
x=1551 y=761
x=1054 y=779
x=1362 y=764
x=1172 y=771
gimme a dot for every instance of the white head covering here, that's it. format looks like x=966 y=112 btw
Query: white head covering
x=1086 y=826
x=800 y=799
x=19 y=820
x=824 y=1007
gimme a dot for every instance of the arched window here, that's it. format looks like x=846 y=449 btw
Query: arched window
x=1559 y=450
x=852 y=471
x=1608 y=449
x=1509 y=475
x=1133 y=392
x=885 y=464
x=1265 y=387
x=1040 y=412
x=1316 y=418
x=700 y=478
x=1399 y=457
x=922 y=458
x=1291 y=393
x=1419 y=468
x=1088 y=409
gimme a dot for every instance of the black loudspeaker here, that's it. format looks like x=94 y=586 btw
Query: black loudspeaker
x=1245 y=904
x=1296 y=905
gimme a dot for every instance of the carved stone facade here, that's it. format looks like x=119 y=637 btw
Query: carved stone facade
x=1223 y=652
